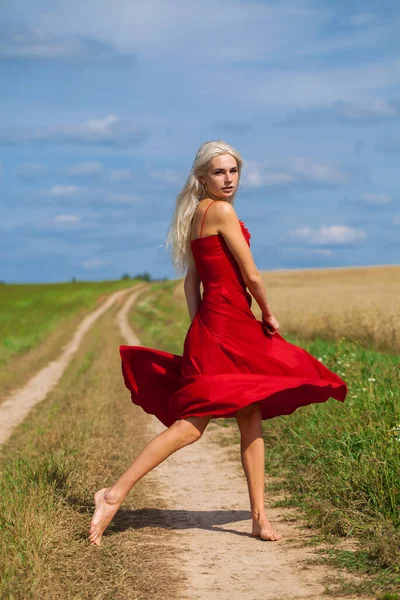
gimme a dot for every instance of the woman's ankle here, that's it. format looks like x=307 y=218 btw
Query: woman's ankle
x=112 y=496
x=258 y=514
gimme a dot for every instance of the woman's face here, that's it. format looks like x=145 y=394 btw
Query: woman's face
x=222 y=177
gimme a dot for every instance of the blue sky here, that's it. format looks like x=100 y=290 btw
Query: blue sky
x=104 y=105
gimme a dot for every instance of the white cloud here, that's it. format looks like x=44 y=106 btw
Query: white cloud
x=251 y=32
x=376 y=199
x=322 y=252
x=110 y=131
x=166 y=175
x=121 y=174
x=244 y=30
x=121 y=198
x=328 y=234
x=61 y=190
x=90 y=193
x=379 y=109
x=345 y=112
x=96 y=169
x=302 y=86
x=240 y=31
x=38 y=43
x=361 y=32
x=95 y=263
x=292 y=171
x=254 y=178
x=85 y=169
x=66 y=219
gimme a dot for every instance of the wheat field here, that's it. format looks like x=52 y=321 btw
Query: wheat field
x=358 y=303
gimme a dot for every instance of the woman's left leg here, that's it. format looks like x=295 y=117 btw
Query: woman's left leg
x=253 y=457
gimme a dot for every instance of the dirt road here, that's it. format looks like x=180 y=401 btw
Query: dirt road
x=17 y=406
x=207 y=502
x=207 y=496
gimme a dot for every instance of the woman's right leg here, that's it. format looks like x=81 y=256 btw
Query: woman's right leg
x=252 y=455
x=108 y=500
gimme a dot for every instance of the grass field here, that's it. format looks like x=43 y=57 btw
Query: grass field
x=340 y=463
x=36 y=321
x=50 y=468
x=29 y=313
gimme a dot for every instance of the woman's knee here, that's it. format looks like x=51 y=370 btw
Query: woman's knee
x=249 y=417
x=191 y=429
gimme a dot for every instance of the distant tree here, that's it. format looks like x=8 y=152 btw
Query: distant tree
x=2 y=283
x=73 y=280
x=125 y=276
x=145 y=276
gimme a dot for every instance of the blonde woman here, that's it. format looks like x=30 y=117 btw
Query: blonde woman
x=233 y=365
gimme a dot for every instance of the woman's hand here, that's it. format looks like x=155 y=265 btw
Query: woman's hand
x=272 y=324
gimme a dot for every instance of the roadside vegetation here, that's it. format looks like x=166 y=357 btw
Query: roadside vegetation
x=339 y=463
x=49 y=470
x=29 y=312
x=36 y=321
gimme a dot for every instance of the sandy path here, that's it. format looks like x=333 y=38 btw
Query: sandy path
x=208 y=505
x=207 y=498
x=16 y=407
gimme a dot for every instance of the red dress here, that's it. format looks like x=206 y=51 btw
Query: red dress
x=229 y=359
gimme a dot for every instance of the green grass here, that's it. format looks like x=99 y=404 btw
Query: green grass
x=341 y=462
x=338 y=462
x=159 y=319
x=29 y=313
x=80 y=438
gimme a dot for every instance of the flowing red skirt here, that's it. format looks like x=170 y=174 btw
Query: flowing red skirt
x=224 y=369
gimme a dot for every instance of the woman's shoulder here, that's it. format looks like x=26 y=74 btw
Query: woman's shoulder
x=221 y=206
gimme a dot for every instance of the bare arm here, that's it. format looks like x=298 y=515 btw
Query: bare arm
x=228 y=225
x=192 y=291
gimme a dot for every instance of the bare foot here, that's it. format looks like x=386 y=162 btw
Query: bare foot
x=262 y=528
x=105 y=509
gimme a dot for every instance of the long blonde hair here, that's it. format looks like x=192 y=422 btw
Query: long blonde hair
x=178 y=236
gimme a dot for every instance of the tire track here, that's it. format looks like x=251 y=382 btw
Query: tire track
x=18 y=405
x=208 y=506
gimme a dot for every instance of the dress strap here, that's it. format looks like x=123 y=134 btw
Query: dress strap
x=204 y=216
